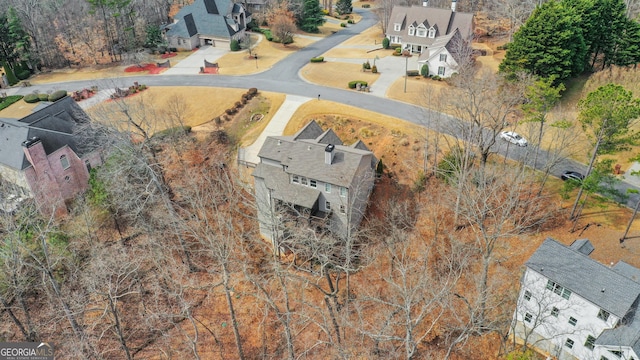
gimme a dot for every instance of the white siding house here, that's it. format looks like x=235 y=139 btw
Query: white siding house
x=572 y=307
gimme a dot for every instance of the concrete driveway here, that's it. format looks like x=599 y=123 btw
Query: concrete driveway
x=192 y=63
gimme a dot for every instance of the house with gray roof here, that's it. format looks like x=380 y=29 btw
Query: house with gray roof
x=573 y=307
x=314 y=179
x=42 y=158
x=440 y=37
x=207 y=22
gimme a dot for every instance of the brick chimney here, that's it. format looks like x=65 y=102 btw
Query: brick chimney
x=34 y=151
x=329 y=153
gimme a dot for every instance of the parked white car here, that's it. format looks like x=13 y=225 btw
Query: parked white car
x=513 y=138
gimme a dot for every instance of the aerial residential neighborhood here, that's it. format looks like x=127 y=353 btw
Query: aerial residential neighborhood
x=220 y=179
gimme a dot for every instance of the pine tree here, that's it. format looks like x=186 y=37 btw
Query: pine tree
x=312 y=16
x=549 y=43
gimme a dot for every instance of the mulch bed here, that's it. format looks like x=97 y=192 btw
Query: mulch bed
x=210 y=70
x=168 y=55
x=151 y=68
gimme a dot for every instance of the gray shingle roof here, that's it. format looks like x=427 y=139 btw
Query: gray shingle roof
x=627 y=334
x=583 y=246
x=585 y=277
x=278 y=181
x=218 y=25
x=445 y=20
x=53 y=124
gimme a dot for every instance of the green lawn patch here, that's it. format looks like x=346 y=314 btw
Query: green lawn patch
x=8 y=101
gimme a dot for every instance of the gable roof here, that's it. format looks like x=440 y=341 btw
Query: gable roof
x=53 y=124
x=205 y=17
x=599 y=284
x=444 y=21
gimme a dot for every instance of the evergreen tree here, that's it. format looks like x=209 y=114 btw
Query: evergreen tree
x=627 y=50
x=344 y=7
x=549 y=43
x=312 y=16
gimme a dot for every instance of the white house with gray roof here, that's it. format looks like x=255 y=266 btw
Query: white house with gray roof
x=572 y=307
x=440 y=37
x=314 y=176
x=207 y=22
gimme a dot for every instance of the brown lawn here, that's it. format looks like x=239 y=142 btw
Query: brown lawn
x=341 y=74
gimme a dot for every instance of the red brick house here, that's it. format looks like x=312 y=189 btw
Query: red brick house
x=41 y=156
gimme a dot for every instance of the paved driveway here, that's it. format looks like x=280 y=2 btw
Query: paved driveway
x=192 y=63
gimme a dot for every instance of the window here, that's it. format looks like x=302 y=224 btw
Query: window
x=303 y=181
x=422 y=33
x=590 y=343
x=565 y=293
x=412 y=30
x=569 y=343
x=327 y=205
x=396 y=27
x=327 y=187
x=616 y=353
x=432 y=33
x=573 y=321
x=441 y=70
x=343 y=209
x=313 y=183
x=443 y=57
x=295 y=179
x=527 y=295
x=528 y=317
x=88 y=165
x=343 y=191
x=603 y=315
x=555 y=311
x=67 y=178
x=64 y=161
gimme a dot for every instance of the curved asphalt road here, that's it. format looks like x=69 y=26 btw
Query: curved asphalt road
x=283 y=77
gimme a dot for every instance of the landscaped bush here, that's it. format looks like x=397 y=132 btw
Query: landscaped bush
x=31 y=98
x=385 y=43
x=57 y=95
x=424 y=70
x=343 y=24
x=374 y=69
x=350 y=21
x=267 y=33
x=7 y=101
x=23 y=74
x=172 y=49
x=353 y=84
x=234 y=45
x=366 y=65
x=43 y=97
x=366 y=6
x=252 y=91
x=397 y=52
x=318 y=59
x=413 y=73
x=437 y=77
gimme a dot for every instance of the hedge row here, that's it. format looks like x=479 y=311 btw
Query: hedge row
x=318 y=59
x=7 y=101
x=54 y=96
x=353 y=84
x=266 y=32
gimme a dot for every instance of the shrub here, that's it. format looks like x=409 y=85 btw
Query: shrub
x=366 y=6
x=23 y=74
x=7 y=101
x=11 y=77
x=252 y=91
x=503 y=47
x=172 y=49
x=366 y=65
x=385 y=43
x=413 y=73
x=424 y=70
x=43 y=97
x=343 y=24
x=31 y=98
x=326 y=12
x=267 y=33
x=238 y=104
x=57 y=95
x=234 y=45
x=353 y=84
x=350 y=21
x=437 y=77
x=317 y=59
x=374 y=69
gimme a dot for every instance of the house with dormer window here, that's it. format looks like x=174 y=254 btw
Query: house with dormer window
x=312 y=179
x=572 y=307
x=430 y=33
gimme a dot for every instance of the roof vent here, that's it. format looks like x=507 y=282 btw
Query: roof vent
x=279 y=142
x=603 y=289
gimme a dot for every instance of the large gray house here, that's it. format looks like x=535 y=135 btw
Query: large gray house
x=440 y=37
x=207 y=22
x=313 y=178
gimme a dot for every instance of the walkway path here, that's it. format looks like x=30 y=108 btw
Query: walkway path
x=275 y=128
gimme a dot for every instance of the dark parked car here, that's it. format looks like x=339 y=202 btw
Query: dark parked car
x=573 y=175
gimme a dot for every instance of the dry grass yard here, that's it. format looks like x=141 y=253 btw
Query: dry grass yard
x=341 y=74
